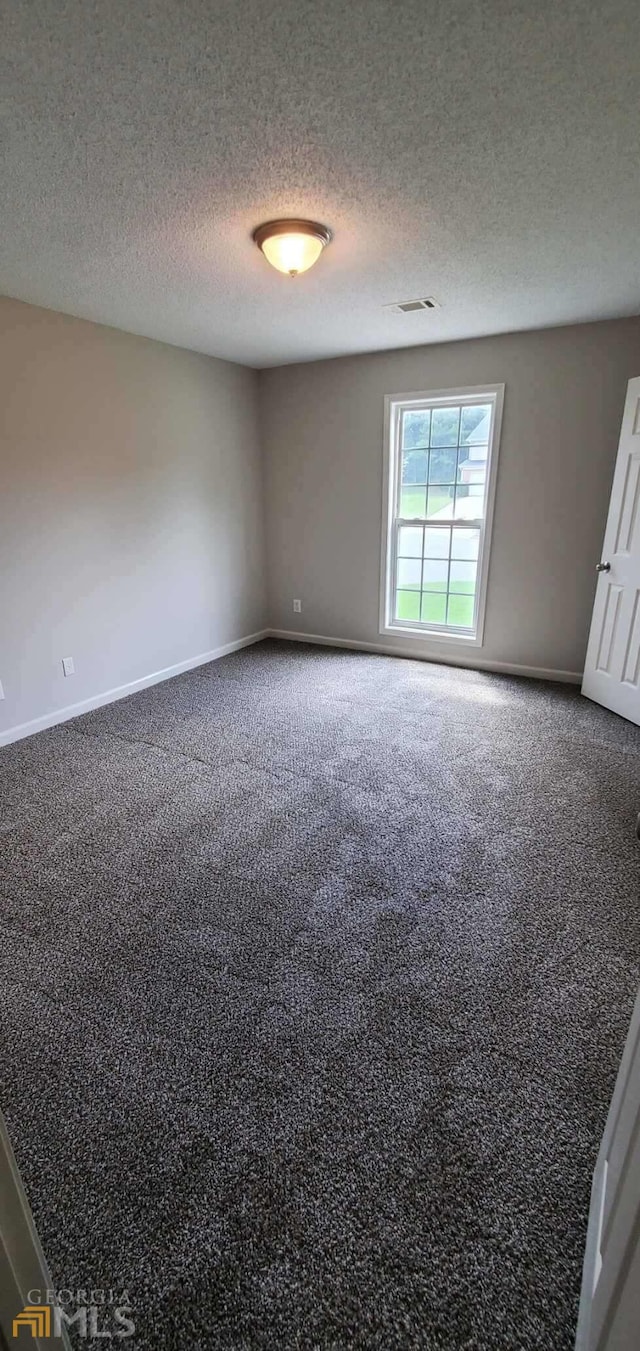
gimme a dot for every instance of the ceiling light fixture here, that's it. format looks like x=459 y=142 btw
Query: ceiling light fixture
x=292 y=245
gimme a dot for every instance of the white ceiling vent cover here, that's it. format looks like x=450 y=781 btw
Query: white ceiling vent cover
x=411 y=306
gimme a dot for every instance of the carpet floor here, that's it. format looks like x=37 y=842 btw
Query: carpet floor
x=315 y=972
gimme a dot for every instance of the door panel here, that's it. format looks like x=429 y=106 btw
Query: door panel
x=631 y=669
x=629 y=509
x=606 y=649
x=610 y=1301
x=612 y=667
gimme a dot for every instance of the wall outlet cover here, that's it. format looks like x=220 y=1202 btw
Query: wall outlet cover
x=68 y=666
x=1 y=691
x=297 y=607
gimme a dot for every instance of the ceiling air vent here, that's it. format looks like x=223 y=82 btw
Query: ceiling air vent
x=410 y=306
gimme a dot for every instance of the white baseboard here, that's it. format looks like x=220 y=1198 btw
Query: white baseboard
x=121 y=691
x=471 y=663
x=110 y=696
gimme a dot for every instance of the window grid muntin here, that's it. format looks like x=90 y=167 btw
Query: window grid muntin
x=477 y=523
x=442 y=525
x=445 y=627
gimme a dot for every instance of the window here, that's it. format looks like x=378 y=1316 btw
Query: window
x=441 y=455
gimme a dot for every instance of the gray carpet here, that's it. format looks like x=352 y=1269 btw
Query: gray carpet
x=316 y=968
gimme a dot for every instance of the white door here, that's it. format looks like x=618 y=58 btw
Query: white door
x=612 y=667
x=609 y=1318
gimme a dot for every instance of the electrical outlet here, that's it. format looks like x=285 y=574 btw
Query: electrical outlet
x=68 y=666
x=1 y=691
x=297 y=607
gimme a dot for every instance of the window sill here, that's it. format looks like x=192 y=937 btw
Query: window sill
x=420 y=634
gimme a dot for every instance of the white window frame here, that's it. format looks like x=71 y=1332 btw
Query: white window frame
x=394 y=406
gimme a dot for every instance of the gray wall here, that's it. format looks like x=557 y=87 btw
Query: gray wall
x=322 y=427
x=131 y=517
x=131 y=510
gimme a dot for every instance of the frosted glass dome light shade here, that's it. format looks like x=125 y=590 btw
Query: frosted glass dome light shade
x=292 y=246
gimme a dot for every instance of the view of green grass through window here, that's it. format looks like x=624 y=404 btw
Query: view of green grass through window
x=441 y=501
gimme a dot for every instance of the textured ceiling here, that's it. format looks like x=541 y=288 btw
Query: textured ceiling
x=481 y=151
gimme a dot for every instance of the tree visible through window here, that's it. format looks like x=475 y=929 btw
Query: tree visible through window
x=439 y=476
